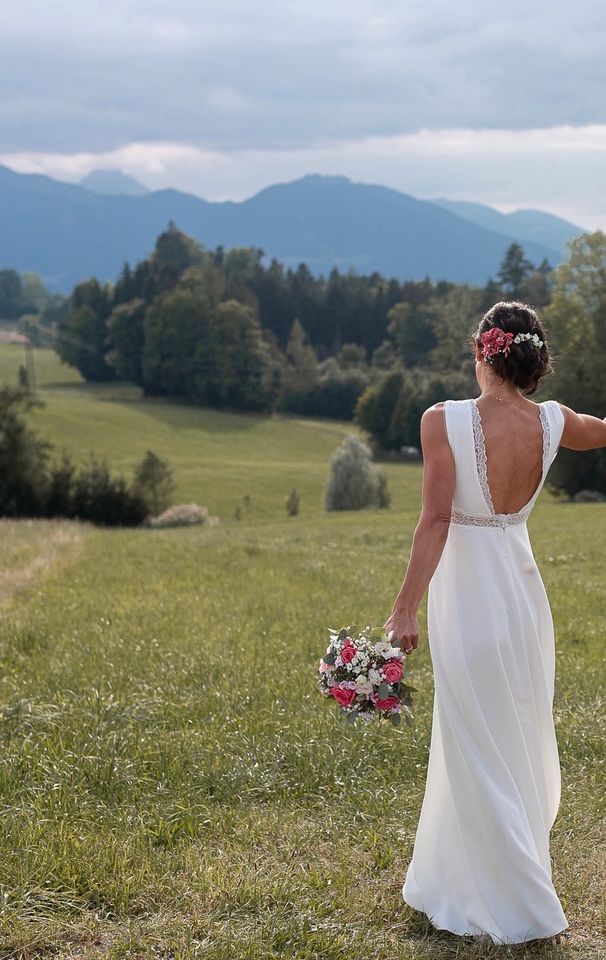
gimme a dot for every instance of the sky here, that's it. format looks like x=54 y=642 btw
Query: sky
x=499 y=102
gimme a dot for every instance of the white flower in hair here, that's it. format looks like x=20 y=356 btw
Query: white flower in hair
x=532 y=337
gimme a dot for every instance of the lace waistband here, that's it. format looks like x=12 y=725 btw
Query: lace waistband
x=496 y=520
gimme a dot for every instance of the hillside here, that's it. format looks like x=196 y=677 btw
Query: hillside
x=217 y=458
x=66 y=233
x=524 y=226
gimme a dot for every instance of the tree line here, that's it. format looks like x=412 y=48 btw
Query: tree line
x=220 y=328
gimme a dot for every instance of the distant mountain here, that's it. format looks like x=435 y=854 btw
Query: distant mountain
x=524 y=226
x=113 y=183
x=67 y=233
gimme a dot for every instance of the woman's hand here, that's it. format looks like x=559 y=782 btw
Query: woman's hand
x=403 y=628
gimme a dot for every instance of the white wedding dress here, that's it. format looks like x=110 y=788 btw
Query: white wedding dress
x=481 y=859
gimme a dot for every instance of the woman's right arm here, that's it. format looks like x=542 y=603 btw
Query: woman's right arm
x=582 y=431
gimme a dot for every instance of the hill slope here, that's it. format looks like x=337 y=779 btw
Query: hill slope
x=67 y=233
x=524 y=226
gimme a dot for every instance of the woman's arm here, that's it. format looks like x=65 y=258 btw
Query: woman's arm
x=431 y=531
x=582 y=431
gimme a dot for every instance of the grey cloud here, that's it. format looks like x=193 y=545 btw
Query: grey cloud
x=279 y=75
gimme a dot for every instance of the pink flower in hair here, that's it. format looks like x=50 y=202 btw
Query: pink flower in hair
x=496 y=341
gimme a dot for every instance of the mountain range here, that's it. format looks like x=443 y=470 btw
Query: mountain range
x=67 y=232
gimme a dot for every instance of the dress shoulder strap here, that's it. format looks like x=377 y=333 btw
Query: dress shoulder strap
x=456 y=419
x=552 y=419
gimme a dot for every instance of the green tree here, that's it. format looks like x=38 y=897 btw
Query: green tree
x=82 y=343
x=455 y=317
x=12 y=300
x=154 y=482
x=576 y=320
x=23 y=457
x=82 y=333
x=375 y=410
x=175 y=324
x=514 y=271
x=126 y=335
x=351 y=356
x=232 y=362
x=177 y=248
x=411 y=330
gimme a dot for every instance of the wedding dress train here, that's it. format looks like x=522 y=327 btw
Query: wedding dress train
x=481 y=859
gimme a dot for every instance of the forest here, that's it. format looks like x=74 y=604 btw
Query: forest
x=224 y=329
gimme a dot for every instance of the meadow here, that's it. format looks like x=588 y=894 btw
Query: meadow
x=172 y=784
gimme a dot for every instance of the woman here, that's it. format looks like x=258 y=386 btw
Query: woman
x=481 y=863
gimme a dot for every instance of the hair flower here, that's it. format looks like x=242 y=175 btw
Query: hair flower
x=496 y=341
x=529 y=338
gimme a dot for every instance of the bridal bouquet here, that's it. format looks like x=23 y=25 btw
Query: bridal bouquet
x=363 y=672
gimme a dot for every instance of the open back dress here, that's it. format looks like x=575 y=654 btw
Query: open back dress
x=481 y=861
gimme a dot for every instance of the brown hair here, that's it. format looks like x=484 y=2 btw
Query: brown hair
x=526 y=364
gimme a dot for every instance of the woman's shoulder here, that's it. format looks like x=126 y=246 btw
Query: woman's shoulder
x=443 y=404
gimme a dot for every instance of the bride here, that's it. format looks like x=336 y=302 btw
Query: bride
x=481 y=863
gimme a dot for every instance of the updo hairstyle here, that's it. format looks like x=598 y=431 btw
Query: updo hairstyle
x=526 y=364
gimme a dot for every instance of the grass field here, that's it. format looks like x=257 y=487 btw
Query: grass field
x=172 y=785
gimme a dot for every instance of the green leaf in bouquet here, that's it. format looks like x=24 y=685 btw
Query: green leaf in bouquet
x=407 y=686
x=395 y=719
x=385 y=690
x=352 y=716
x=330 y=658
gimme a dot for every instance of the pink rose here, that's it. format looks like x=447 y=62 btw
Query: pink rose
x=344 y=697
x=393 y=671
x=348 y=652
x=387 y=704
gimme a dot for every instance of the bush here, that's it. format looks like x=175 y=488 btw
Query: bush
x=98 y=497
x=293 y=501
x=383 y=496
x=353 y=480
x=183 y=515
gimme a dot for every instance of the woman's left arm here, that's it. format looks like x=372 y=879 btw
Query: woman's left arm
x=431 y=530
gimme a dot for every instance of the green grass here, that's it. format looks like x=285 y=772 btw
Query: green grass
x=218 y=458
x=172 y=785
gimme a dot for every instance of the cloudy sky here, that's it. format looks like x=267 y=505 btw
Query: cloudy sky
x=500 y=102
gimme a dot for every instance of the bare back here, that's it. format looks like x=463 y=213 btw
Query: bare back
x=513 y=437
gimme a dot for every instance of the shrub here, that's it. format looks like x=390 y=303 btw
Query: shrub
x=100 y=498
x=383 y=496
x=293 y=501
x=353 y=479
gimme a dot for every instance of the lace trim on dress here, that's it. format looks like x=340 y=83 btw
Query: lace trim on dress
x=499 y=519
x=480 y=449
x=546 y=436
x=496 y=520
